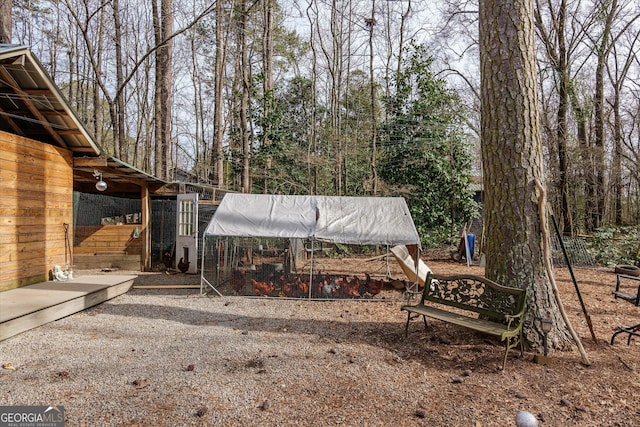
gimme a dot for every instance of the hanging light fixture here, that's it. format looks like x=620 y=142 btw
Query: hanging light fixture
x=100 y=185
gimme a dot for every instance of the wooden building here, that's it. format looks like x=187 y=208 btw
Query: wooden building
x=39 y=137
x=46 y=155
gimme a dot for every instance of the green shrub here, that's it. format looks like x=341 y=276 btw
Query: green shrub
x=611 y=246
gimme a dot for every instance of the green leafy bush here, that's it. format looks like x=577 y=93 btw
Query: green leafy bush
x=611 y=246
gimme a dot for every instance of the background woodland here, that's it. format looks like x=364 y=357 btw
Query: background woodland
x=345 y=97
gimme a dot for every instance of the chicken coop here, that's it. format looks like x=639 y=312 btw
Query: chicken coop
x=295 y=246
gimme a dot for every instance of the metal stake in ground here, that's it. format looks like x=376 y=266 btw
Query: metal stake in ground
x=573 y=278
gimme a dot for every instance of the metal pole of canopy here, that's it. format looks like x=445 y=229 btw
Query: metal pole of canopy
x=387 y=259
x=311 y=267
x=204 y=255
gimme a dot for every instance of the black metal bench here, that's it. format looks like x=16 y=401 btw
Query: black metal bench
x=484 y=306
x=632 y=298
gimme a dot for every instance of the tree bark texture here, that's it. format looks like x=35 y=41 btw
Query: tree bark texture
x=513 y=159
x=220 y=58
x=163 y=28
x=602 y=51
x=167 y=83
x=244 y=104
x=558 y=54
x=5 y=21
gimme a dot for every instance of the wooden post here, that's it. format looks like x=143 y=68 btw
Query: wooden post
x=145 y=234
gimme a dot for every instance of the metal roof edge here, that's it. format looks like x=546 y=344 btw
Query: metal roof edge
x=135 y=169
x=9 y=50
x=63 y=101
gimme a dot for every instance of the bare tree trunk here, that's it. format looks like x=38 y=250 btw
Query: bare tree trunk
x=559 y=57
x=267 y=61
x=120 y=142
x=244 y=103
x=513 y=161
x=267 y=78
x=617 y=77
x=602 y=52
x=372 y=83
x=157 y=104
x=167 y=81
x=163 y=28
x=5 y=21
x=98 y=112
x=198 y=117
x=336 y=92
x=561 y=122
x=218 y=129
x=313 y=137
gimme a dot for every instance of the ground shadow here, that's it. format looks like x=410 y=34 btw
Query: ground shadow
x=440 y=345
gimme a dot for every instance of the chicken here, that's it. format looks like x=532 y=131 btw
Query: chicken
x=237 y=280
x=289 y=289
x=183 y=266
x=331 y=287
x=263 y=288
x=167 y=259
x=371 y=286
x=303 y=286
x=319 y=281
x=350 y=288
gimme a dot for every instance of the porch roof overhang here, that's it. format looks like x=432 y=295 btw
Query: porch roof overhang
x=121 y=178
x=125 y=180
x=32 y=106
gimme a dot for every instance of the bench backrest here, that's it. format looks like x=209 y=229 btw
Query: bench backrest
x=475 y=293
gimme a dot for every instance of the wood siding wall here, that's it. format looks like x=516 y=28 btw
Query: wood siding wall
x=36 y=200
x=107 y=246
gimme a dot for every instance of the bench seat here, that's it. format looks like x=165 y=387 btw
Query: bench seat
x=482 y=304
x=481 y=325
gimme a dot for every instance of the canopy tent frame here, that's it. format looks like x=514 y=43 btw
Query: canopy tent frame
x=337 y=219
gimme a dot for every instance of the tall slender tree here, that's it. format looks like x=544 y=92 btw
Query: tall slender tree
x=163 y=30
x=556 y=48
x=221 y=39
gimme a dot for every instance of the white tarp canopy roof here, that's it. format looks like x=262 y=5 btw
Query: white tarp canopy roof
x=349 y=220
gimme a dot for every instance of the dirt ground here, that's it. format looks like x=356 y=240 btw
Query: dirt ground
x=605 y=392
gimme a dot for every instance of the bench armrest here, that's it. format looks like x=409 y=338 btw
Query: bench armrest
x=513 y=320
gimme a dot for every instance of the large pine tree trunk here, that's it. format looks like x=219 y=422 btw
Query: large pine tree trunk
x=513 y=161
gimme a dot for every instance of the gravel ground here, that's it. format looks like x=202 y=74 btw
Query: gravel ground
x=170 y=357
x=146 y=358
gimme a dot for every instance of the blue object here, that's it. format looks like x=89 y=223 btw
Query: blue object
x=471 y=242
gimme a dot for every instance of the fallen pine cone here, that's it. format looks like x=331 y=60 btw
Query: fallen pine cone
x=191 y=367
x=202 y=411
